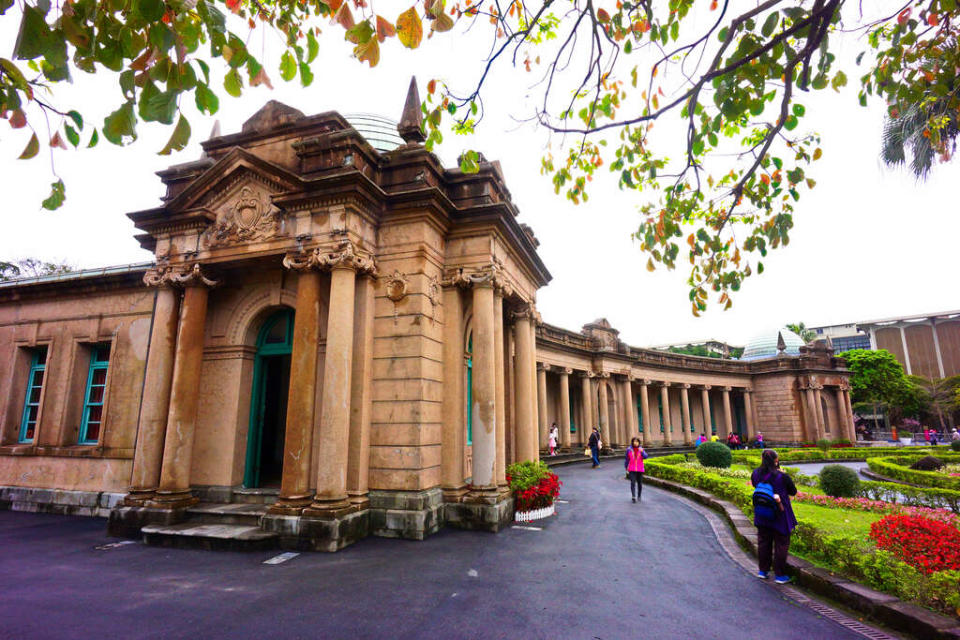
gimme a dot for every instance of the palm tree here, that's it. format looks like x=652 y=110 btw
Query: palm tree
x=911 y=128
x=939 y=395
x=801 y=330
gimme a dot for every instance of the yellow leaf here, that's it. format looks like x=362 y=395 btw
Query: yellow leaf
x=817 y=153
x=368 y=52
x=650 y=266
x=409 y=28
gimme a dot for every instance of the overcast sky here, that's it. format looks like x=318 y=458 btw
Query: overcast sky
x=868 y=242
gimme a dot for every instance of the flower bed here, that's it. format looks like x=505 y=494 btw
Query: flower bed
x=897 y=468
x=878 y=506
x=534 y=489
x=923 y=543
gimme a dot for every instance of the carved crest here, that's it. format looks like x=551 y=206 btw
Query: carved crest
x=248 y=217
x=396 y=286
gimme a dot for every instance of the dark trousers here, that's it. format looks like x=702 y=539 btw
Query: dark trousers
x=773 y=544
x=595 y=454
x=636 y=483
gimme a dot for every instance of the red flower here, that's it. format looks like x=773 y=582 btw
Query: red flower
x=928 y=545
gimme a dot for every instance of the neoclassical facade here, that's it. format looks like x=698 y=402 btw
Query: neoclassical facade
x=338 y=340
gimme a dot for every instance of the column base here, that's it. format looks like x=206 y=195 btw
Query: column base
x=455 y=494
x=173 y=500
x=291 y=505
x=411 y=515
x=360 y=501
x=138 y=497
x=480 y=516
x=126 y=521
x=327 y=533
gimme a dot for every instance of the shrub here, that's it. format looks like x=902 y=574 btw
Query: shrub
x=925 y=544
x=714 y=454
x=839 y=481
x=523 y=475
x=824 y=444
x=928 y=463
x=955 y=445
x=534 y=486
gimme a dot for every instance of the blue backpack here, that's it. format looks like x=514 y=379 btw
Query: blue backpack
x=765 y=507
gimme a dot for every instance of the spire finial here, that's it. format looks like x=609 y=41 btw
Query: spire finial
x=411 y=120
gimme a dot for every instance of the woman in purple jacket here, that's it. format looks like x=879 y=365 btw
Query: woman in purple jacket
x=774 y=537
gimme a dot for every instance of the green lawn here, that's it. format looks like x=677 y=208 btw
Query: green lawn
x=837 y=521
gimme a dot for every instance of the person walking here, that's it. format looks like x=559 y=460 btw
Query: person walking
x=594 y=444
x=759 y=439
x=554 y=437
x=773 y=533
x=633 y=463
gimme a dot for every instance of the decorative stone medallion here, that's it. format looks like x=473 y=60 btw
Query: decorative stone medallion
x=249 y=217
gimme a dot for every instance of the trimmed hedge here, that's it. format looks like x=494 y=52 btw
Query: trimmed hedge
x=911 y=496
x=752 y=457
x=838 y=481
x=897 y=468
x=714 y=454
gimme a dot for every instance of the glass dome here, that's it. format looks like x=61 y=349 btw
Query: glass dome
x=764 y=345
x=379 y=131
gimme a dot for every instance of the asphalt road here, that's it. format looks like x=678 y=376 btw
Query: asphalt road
x=603 y=568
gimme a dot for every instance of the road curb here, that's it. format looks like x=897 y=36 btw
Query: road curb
x=881 y=607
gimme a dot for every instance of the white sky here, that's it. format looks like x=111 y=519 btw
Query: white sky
x=868 y=242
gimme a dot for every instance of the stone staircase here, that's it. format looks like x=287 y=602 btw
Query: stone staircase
x=216 y=526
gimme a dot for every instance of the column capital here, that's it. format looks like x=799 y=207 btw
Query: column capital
x=663 y=383
x=543 y=366
x=727 y=389
x=566 y=371
x=645 y=381
x=684 y=385
x=182 y=275
x=343 y=256
x=603 y=374
x=747 y=390
x=705 y=387
x=586 y=374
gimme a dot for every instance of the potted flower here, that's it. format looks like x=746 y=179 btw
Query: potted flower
x=534 y=488
x=909 y=426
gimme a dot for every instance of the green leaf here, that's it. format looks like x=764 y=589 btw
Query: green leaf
x=791 y=123
x=32 y=148
x=360 y=32
x=72 y=135
x=233 y=83
x=207 y=101
x=34 y=35
x=77 y=119
x=313 y=48
x=288 y=66
x=306 y=74
x=770 y=24
x=156 y=105
x=205 y=68
x=4 y=5
x=799 y=110
x=57 y=196
x=94 y=139
x=839 y=80
x=150 y=10
x=120 y=126
x=181 y=136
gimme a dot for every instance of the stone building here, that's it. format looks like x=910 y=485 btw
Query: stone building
x=337 y=340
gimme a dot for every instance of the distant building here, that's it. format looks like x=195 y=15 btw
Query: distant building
x=926 y=345
x=721 y=349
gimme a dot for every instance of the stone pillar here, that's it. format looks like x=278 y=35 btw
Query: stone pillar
x=330 y=500
x=626 y=431
x=155 y=406
x=361 y=407
x=813 y=429
x=603 y=401
x=685 y=414
x=851 y=425
x=510 y=384
x=748 y=410
x=295 y=491
x=586 y=406
x=454 y=431
x=727 y=414
x=632 y=425
x=565 y=408
x=523 y=360
x=174 y=489
x=842 y=422
x=821 y=419
x=483 y=411
x=705 y=406
x=665 y=401
x=500 y=388
x=532 y=373
x=645 y=412
x=544 y=428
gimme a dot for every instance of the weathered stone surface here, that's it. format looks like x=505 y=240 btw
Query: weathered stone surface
x=482 y=517
x=916 y=620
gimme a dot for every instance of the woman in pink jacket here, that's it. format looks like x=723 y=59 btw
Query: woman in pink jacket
x=633 y=463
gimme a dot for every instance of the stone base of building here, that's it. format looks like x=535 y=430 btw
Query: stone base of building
x=412 y=515
x=480 y=516
x=126 y=522
x=59 y=501
x=312 y=533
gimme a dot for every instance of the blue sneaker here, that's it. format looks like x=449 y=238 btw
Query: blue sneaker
x=783 y=579
x=763 y=575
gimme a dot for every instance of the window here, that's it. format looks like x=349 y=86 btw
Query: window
x=573 y=426
x=470 y=390
x=93 y=398
x=31 y=404
x=640 y=414
x=660 y=409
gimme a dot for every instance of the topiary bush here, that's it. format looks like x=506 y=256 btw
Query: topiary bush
x=955 y=445
x=839 y=481
x=928 y=463
x=714 y=454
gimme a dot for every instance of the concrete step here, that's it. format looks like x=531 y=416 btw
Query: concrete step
x=256 y=496
x=221 y=513
x=212 y=537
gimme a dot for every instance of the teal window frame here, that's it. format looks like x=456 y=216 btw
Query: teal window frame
x=99 y=361
x=38 y=365
x=713 y=420
x=469 y=366
x=639 y=415
x=660 y=409
x=573 y=426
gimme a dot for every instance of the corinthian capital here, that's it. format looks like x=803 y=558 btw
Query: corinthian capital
x=178 y=276
x=344 y=256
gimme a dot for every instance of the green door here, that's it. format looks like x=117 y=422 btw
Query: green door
x=268 y=401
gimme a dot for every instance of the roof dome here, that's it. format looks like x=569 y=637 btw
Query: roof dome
x=764 y=345
x=380 y=132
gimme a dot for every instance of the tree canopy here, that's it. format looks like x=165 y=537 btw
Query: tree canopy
x=32 y=267
x=801 y=330
x=877 y=378
x=721 y=183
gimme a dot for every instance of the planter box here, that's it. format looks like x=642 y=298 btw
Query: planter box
x=907 y=440
x=536 y=514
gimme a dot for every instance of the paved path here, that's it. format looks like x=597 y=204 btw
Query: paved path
x=602 y=569
x=813 y=468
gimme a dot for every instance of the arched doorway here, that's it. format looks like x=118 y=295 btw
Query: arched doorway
x=268 y=401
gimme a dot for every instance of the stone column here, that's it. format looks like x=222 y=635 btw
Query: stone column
x=544 y=429
x=631 y=411
x=727 y=414
x=510 y=385
x=330 y=500
x=155 y=405
x=851 y=425
x=500 y=389
x=295 y=491
x=705 y=406
x=603 y=401
x=645 y=412
x=454 y=431
x=532 y=373
x=813 y=429
x=821 y=419
x=685 y=414
x=523 y=360
x=565 y=408
x=626 y=432
x=842 y=422
x=748 y=409
x=174 y=489
x=361 y=407
x=665 y=401
x=483 y=411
